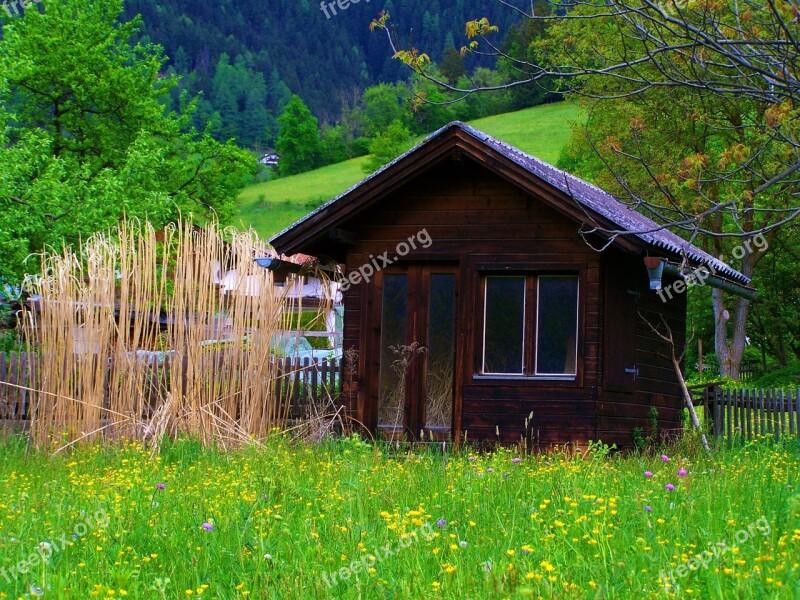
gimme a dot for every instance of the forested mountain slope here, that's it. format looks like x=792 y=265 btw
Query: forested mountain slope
x=243 y=55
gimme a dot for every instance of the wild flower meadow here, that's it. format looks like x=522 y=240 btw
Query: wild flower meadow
x=347 y=520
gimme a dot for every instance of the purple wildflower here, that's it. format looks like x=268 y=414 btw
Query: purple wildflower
x=669 y=487
x=682 y=473
x=648 y=473
x=516 y=460
x=665 y=458
x=648 y=508
x=441 y=522
x=207 y=526
x=160 y=486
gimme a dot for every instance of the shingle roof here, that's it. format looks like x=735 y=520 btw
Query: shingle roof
x=587 y=195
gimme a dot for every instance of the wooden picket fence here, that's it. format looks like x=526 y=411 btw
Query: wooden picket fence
x=15 y=368
x=302 y=382
x=306 y=381
x=745 y=414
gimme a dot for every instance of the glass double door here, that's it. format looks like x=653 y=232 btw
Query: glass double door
x=417 y=353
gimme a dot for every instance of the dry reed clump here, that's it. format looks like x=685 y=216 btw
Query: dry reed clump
x=136 y=338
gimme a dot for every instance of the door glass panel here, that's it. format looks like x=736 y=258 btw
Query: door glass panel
x=440 y=354
x=391 y=389
x=557 y=326
x=504 y=325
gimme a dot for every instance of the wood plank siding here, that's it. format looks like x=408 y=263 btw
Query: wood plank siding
x=479 y=221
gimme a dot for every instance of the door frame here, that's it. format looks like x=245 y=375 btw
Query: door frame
x=416 y=328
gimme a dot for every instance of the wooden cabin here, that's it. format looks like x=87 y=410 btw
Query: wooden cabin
x=489 y=294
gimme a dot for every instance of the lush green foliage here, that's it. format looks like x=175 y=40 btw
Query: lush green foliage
x=273 y=205
x=298 y=138
x=775 y=316
x=386 y=146
x=384 y=104
x=85 y=138
x=786 y=377
x=285 y=520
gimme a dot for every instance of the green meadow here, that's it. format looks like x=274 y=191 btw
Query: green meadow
x=346 y=519
x=271 y=206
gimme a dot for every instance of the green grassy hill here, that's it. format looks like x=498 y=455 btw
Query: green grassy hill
x=271 y=206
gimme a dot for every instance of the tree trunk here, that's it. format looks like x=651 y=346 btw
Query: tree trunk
x=730 y=352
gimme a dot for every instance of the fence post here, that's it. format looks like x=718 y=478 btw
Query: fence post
x=4 y=390
x=797 y=411
x=783 y=413
x=775 y=415
x=312 y=395
x=728 y=417
x=748 y=414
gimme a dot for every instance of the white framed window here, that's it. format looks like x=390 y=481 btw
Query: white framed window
x=529 y=326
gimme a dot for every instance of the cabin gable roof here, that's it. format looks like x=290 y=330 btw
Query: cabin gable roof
x=570 y=195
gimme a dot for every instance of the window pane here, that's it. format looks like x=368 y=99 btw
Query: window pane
x=441 y=343
x=504 y=325
x=391 y=400
x=557 y=326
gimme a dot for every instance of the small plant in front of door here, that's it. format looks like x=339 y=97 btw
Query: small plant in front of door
x=393 y=406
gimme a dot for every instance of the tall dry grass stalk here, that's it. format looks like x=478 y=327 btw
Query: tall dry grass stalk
x=136 y=338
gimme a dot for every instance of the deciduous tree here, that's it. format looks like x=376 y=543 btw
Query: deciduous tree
x=298 y=138
x=85 y=137
x=387 y=146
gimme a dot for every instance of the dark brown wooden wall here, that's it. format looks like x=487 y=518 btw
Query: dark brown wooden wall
x=476 y=220
x=655 y=385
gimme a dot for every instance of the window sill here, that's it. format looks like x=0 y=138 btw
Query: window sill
x=479 y=377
